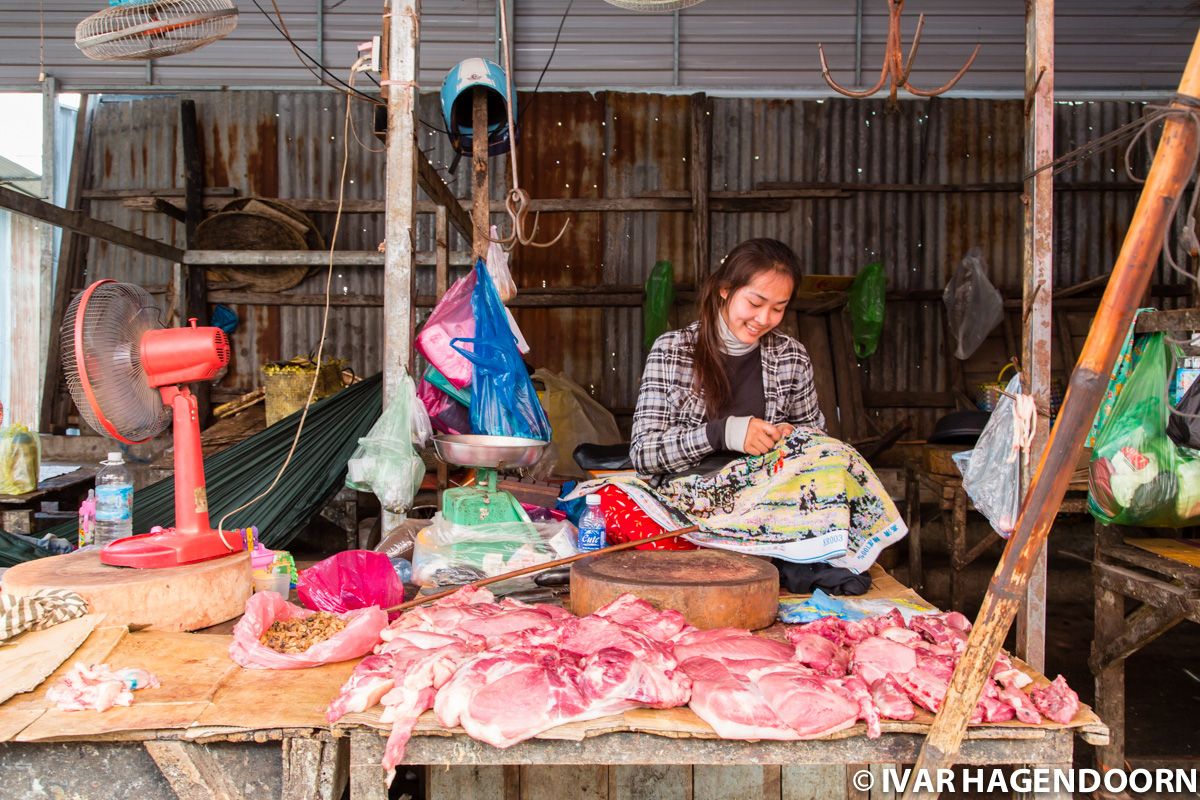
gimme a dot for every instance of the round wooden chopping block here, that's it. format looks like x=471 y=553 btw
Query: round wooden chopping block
x=711 y=588
x=183 y=598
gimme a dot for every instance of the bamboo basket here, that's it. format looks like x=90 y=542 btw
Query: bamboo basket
x=286 y=385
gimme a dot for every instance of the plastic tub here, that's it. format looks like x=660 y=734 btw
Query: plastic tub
x=280 y=583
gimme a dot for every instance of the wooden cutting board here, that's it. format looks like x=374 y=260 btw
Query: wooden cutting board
x=711 y=588
x=183 y=598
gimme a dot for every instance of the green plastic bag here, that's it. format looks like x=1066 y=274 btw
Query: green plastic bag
x=868 y=297
x=660 y=299
x=442 y=382
x=1138 y=476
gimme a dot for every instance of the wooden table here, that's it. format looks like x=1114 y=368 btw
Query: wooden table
x=1163 y=575
x=952 y=499
x=17 y=510
x=216 y=730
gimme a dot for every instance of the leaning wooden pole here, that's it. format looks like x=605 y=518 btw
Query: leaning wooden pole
x=1169 y=174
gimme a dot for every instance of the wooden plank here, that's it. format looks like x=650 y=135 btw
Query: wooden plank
x=33 y=656
x=460 y=783
x=480 y=204
x=24 y=364
x=291 y=258
x=429 y=180
x=585 y=782
x=722 y=782
x=1185 y=551
x=315 y=769
x=192 y=771
x=1184 y=319
x=238 y=702
x=814 y=334
x=80 y=222
x=701 y=186
x=56 y=402
x=1110 y=682
x=660 y=782
x=368 y=780
x=814 y=782
x=192 y=287
x=1141 y=627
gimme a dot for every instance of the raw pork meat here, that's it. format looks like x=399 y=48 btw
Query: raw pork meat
x=731 y=703
x=876 y=658
x=891 y=700
x=809 y=705
x=730 y=644
x=370 y=681
x=95 y=687
x=819 y=653
x=1057 y=701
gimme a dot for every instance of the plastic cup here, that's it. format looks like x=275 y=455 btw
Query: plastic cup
x=280 y=583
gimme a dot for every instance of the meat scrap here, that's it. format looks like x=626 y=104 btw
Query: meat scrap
x=95 y=687
x=297 y=635
x=1057 y=701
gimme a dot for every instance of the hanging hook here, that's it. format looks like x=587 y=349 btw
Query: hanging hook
x=895 y=66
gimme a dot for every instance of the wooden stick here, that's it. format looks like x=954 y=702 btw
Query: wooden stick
x=420 y=601
x=1173 y=164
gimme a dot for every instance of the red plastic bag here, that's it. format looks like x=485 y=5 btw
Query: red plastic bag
x=625 y=521
x=358 y=638
x=350 y=580
x=446 y=414
x=452 y=318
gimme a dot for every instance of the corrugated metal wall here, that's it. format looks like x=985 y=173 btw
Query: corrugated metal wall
x=764 y=48
x=622 y=145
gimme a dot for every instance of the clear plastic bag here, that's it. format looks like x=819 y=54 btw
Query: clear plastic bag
x=991 y=476
x=503 y=400
x=350 y=580
x=660 y=299
x=385 y=462
x=358 y=638
x=497 y=267
x=973 y=305
x=20 y=459
x=868 y=300
x=446 y=554
x=452 y=318
x=576 y=418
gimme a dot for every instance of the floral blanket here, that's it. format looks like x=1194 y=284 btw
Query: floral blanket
x=813 y=498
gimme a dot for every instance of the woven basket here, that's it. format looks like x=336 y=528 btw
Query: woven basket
x=287 y=384
x=252 y=223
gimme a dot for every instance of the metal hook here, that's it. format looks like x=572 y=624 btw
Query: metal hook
x=895 y=66
x=517 y=205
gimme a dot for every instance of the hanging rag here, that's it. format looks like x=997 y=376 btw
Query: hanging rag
x=43 y=608
x=1024 y=426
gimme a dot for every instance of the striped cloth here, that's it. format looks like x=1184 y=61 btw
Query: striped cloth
x=44 y=608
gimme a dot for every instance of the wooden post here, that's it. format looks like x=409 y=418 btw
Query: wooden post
x=71 y=258
x=193 y=289
x=44 y=296
x=701 y=185
x=480 y=202
x=1173 y=164
x=1037 y=284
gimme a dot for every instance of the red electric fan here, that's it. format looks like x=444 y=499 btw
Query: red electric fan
x=127 y=375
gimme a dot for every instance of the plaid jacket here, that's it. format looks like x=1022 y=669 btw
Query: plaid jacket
x=668 y=425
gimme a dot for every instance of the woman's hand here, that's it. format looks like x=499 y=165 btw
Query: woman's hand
x=761 y=436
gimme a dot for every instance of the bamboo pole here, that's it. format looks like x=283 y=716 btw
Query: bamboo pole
x=1131 y=275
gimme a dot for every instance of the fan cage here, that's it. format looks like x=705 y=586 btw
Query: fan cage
x=154 y=28
x=653 y=5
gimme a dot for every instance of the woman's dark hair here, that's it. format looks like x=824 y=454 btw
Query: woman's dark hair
x=742 y=265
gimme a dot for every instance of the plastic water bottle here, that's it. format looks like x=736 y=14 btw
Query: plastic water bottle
x=591 y=526
x=114 y=501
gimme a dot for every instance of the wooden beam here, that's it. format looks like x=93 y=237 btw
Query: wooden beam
x=262 y=258
x=1174 y=162
x=72 y=255
x=945 y=188
x=192 y=292
x=480 y=204
x=701 y=186
x=1037 y=285
x=429 y=180
x=192 y=771
x=1142 y=627
x=79 y=222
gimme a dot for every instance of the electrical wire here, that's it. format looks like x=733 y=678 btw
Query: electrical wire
x=554 y=49
x=337 y=223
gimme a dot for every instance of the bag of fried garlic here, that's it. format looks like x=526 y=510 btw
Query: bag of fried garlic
x=274 y=634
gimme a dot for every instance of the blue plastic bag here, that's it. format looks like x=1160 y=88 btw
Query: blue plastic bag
x=503 y=400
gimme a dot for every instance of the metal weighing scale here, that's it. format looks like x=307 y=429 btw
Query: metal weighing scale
x=483 y=502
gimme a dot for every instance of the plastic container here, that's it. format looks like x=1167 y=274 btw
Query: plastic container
x=114 y=501
x=591 y=526
x=279 y=582
x=87 y=519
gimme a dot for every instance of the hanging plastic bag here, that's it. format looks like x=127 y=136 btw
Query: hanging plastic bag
x=1137 y=475
x=350 y=580
x=497 y=267
x=446 y=415
x=868 y=299
x=452 y=318
x=973 y=305
x=660 y=299
x=576 y=418
x=992 y=472
x=384 y=462
x=1184 y=424
x=20 y=460
x=358 y=638
x=439 y=380
x=503 y=400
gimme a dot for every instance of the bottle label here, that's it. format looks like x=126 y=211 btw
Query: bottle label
x=591 y=537
x=114 y=503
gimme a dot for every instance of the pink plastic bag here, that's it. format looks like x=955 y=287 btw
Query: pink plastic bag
x=360 y=635
x=446 y=414
x=350 y=580
x=452 y=318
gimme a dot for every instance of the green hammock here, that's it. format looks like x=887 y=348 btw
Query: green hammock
x=241 y=472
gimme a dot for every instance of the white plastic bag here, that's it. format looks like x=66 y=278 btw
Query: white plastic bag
x=497 y=267
x=973 y=305
x=385 y=462
x=990 y=478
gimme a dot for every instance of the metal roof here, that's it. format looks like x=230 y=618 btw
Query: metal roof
x=730 y=47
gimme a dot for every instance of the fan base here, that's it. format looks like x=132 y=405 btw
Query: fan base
x=170 y=548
